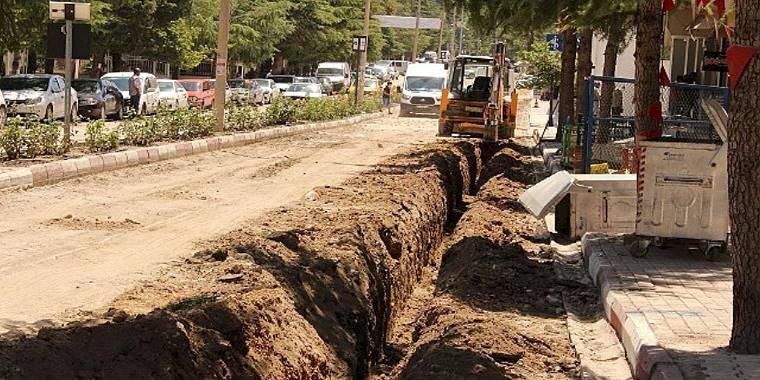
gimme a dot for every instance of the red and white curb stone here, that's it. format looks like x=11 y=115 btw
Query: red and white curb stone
x=57 y=171
x=643 y=351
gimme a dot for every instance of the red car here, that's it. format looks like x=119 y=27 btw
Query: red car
x=200 y=92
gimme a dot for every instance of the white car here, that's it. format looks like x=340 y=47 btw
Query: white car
x=172 y=94
x=303 y=91
x=338 y=72
x=37 y=94
x=269 y=88
x=422 y=88
x=150 y=99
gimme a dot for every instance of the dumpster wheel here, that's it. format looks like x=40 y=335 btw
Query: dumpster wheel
x=715 y=250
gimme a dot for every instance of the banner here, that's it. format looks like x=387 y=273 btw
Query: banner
x=402 y=22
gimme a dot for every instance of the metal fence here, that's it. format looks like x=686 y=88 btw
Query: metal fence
x=609 y=117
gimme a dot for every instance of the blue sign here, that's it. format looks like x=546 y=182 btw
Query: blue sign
x=555 y=42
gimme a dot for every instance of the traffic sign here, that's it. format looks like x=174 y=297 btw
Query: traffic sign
x=359 y=43
x=61 y=10
x=555 y=42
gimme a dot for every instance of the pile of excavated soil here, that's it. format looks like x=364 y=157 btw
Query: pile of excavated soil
x=305 y=292
x=491 y=308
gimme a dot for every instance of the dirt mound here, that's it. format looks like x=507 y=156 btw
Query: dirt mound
x=306 y=292
x=495 y=306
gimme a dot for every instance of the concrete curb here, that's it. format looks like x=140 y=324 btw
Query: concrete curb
x=643 y=351
x=57 y=171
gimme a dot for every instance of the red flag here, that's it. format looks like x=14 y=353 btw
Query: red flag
x=668 y=5
x=664 y=79
x=738 y=58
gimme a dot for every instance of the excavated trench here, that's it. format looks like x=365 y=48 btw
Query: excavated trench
x=320 y=290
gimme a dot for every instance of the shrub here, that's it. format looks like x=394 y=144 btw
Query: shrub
x=244 y=118
x=98 y=138
x=29 y=138
x=13 y=137
x=281 y=111
x=138 y=131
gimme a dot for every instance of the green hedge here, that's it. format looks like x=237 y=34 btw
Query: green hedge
x=29 y=137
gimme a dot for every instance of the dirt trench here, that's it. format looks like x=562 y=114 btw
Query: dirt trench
x=489 y=306
x=304 y=292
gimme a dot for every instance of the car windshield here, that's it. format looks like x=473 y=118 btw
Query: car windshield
x=282 y=79
x=121 y=83
x=330 y=71
x=191 y=86
x=263 y=82
x=166 y=86
x=85 y=85
x=237 y=83
x=304 y=87
x=370 y=83
x=13 y=84
x=424 y=83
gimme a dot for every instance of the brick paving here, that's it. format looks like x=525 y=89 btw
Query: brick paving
x=680 y=298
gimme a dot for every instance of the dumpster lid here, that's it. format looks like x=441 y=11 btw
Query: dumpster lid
x=718 y=117
x=541 y=198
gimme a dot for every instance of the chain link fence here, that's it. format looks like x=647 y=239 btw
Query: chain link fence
x=610 y=128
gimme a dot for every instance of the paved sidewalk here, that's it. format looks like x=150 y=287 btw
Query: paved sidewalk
x=671 y=309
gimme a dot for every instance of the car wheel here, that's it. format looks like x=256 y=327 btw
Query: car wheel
x=3 y=116
x=48 y=113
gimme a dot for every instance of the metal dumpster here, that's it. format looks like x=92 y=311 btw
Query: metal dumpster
x=683 y=191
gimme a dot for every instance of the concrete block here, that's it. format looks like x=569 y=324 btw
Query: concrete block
x=133 y=157
x=121 y=159
x=39 y=175
x=142 y=156
x=69 y=169
x=96 y=164
x=54 y=172
x=109 y=162
x=21 y=178
x=166 y=152
x=83 y=165
x=153 y=154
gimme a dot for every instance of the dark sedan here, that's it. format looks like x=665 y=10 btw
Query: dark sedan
x=99 y=98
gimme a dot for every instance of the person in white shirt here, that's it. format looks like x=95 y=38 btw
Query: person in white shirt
x=135 y=90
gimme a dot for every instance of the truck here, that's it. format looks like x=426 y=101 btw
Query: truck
x=339 y=74
x=422 y=88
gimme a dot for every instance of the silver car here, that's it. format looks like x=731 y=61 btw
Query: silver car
x=37 y=94
x=269 y=89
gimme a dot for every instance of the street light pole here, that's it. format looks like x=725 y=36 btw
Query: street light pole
x=221 y=63
x=416 y=31
x=67 y=90
x=363 y=54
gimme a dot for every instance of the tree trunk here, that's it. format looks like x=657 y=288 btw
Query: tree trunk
x=605 y=96
x=567 y=80
x=583 y=72
x=648 y=45
x=744 y=186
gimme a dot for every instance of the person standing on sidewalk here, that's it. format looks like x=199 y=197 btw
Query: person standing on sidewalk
x=135 y=90
x=387 y=97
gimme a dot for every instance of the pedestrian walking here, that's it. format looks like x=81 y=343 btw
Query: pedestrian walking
x=387 y=96
x=135 y=90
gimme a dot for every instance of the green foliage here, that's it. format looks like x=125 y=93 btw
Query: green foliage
x=244 y=118
x=544 y=64
x=167 y=125
x=99 y=138
x=281 y=111
x=29 y=138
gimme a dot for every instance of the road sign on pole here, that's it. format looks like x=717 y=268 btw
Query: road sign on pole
x=555 y=42
x=68 y=12
x=359 y=45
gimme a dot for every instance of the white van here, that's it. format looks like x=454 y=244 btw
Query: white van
x=151 y=97
x=339 y=74
x=421 y=91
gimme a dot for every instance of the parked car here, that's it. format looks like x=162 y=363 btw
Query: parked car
x=268 y=88
x=200 y=92
x=304 y=90
x=372 y=86
x=339 y=74
x=37 y=94
x=3 y=111
x=150 y=99
x=227 y=91
x=282 y=82
x=327 y=86
x=241 y=90
x=173 y=95
x=98 y=99
x=381 y=72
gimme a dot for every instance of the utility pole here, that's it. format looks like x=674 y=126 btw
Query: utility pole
x=363 y=54
x=453 y=35
x=69 y=11
x=221 y=63
x=461 y=32
x=440 y=32
x=416 y=31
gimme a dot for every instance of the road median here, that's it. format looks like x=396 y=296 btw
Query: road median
x=61 y=170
